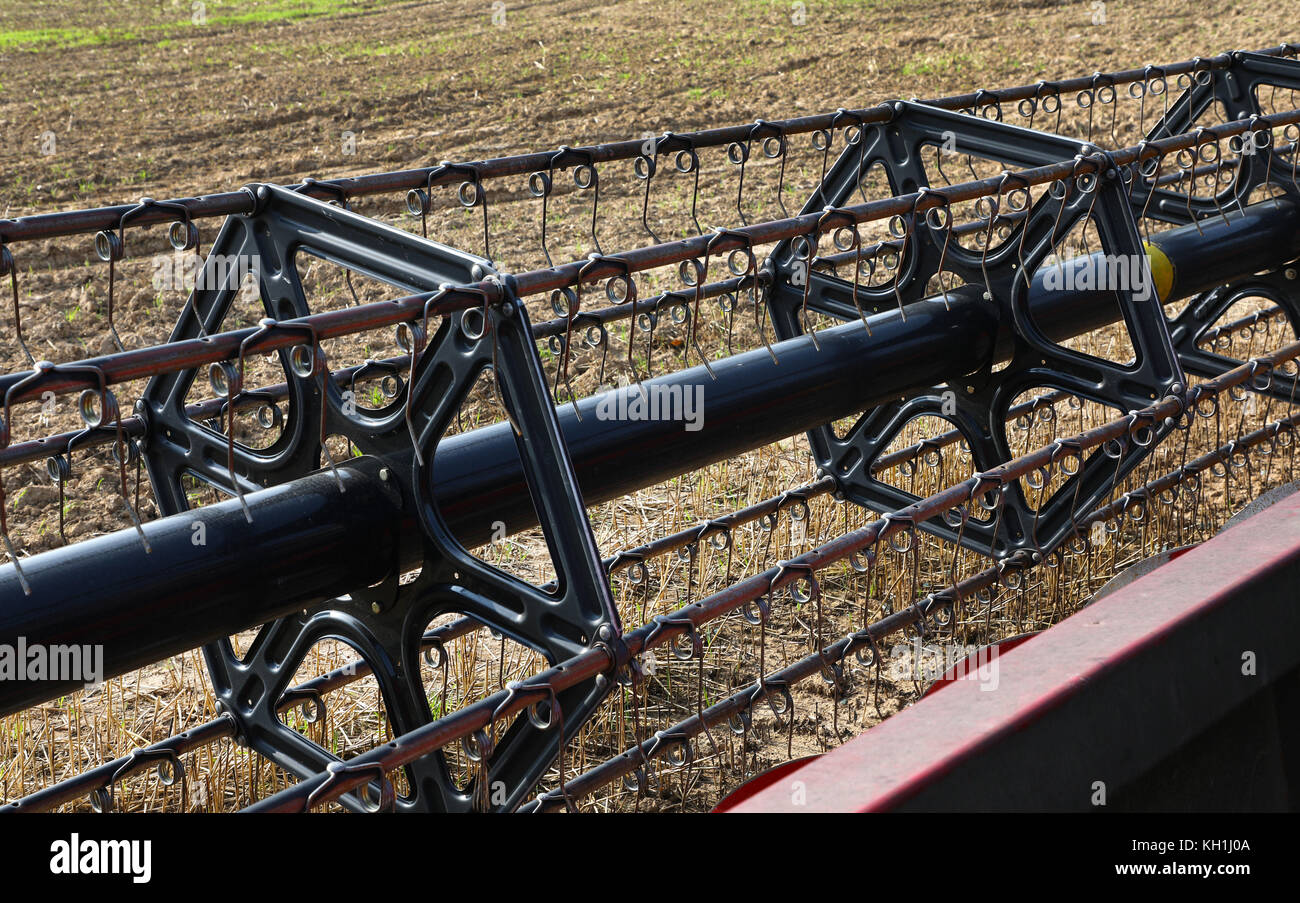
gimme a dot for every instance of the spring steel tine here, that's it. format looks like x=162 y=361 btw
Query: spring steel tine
x=112 y=247
x=946 y=226
x=694 y=272
x=644 y=168
x=10 y=269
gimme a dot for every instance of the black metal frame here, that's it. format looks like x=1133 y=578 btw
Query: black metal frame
x=384 y=622
x=977 y=405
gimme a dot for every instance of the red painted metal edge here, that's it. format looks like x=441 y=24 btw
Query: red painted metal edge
x=761 y=782
x=968 y=668
x=900 y=759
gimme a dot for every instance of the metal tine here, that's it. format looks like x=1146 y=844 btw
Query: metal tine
x=1018 y=200
x=108 y=246
x=822 y=140
x=111 y=246
x=778 y=150
x=470 y=193
x=418 y=203
x=539 y=186
x=97 y=419
x=945 y=225
x=644 y=167
x=572 y=305
x=1145 y=172
x=1186 y=160
x=900 y=227
x=586 y=177
x=694 y=273
x=10 y=269
x=747 y=269
x=485 y=313
x=738 y=154
x=122 y=450
x=803 y=249
x=848 y=238
x=228 y=383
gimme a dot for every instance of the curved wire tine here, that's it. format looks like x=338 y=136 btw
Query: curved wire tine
x=906 y=225
x=701 y=272
x=337 y=772
x=585 y=176
x=946 y=226
x=111 y=247
x=686 y=160
x=993 y=204
x=1203 y=141
x=1066 y=189
x=782 y=146
x=94 y=421
x=629 y=296
x=572 y=309
x=644 y=168
x=1258 y=127
x=122 y=451
x=1154 y=177
x=694 y=272
x=470 y=194
x=138 y=757
x=850 y=229
x=747 y=274
x=804 y=262
x=540 y=185
x=1024 y=186
x=313 y=367
x=554 y=719
x=488 y=326
x=234 y=393
x=739 y=153
x=10 y=269
x=986 y=100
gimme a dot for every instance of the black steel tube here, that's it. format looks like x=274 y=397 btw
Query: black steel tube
x=209 y=573
x=478 y=479
x=145 y=607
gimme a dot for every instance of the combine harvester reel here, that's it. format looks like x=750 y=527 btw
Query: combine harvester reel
x=906 y=304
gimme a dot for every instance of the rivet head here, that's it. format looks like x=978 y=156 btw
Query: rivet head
x=376 y=607
x=385 y=474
